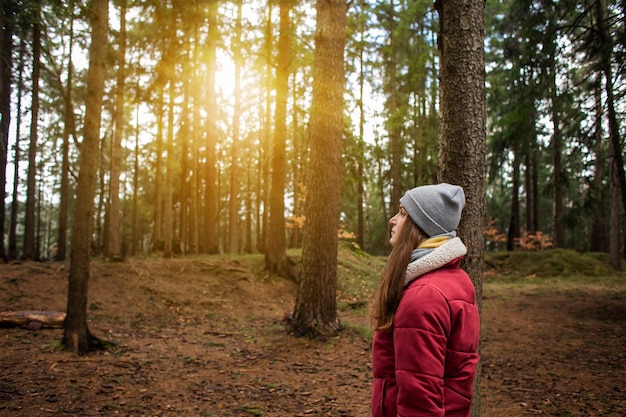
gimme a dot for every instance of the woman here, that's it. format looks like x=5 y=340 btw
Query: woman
x=425 y=345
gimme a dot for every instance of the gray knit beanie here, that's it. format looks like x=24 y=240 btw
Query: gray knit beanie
x=436 y=209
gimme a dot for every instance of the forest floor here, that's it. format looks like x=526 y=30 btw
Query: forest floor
x=206 y=337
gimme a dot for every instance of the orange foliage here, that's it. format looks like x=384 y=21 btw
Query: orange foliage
x=344 y=234
x=295 y=222
x=534 y=241
x=492 y=235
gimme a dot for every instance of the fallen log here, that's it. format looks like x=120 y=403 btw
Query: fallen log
x=33 y=320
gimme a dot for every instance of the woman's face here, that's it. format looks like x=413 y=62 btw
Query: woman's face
x=396 y=223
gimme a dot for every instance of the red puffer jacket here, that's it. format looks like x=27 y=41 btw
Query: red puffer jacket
x=425 y=364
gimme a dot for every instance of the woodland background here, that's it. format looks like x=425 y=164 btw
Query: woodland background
x=209 y=127
x=189 y=131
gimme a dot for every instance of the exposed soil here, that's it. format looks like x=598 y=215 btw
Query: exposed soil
x=206 y=337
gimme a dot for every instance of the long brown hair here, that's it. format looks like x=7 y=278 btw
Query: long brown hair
x=389 y=290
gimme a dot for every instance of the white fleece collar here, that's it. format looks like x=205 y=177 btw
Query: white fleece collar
x=441 y=256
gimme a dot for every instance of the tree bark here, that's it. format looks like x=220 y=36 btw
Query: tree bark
x=76 y=336
x=264 y=162
x=276 y=246
x=598 y=238
x=315 y=312
x=114 y=249
x=168 y=203
x=13 y=252
x=394 y=123
x=30 y=249
x=210 y=241
x=6 y=60
x=462 y=144
x=68 y=126
x=233 y=202
x=168 y=209
x=617 y=177
x=134 y=248
x=157 y=227
x=559 y=180
x=514 y=220
x=183 y=135
x=196 y=134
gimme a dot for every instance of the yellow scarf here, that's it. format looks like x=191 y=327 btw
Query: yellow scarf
x=433 y=242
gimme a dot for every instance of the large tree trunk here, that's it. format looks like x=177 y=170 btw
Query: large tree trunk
x=462 y=147
x=114 y=248
x=76 y=336
x=316 y=305
x=30 y=249
x=276 y=246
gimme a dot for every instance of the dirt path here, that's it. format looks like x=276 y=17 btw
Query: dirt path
x=206 y=338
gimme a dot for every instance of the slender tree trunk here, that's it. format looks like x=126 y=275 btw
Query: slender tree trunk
x=249 y=206
x=531 y=178
x=76 y=336
x=462 y=144
x=157 y=227
x=135 y=228
x=114 y=249
x=514 y=220
x=360 y=234
x=316 y=305
x=559 y=180
x=298 y=166
x=183 y=134
x=529 y=193
x=30 y=250
x=393 y=124
x=233 y=202
x=6 y=63
x=598 y=236
x=13 y=253
x=276 y=246
x=65 y=164
x=211 y=196
x=617 y=177
x=168 y=216
x=195 y=183
x=168 y=204
x=264 y=163
x=101 y=218
x=535 y=188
